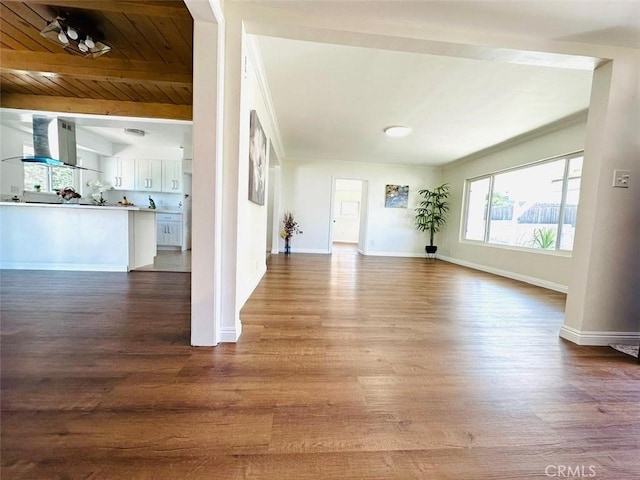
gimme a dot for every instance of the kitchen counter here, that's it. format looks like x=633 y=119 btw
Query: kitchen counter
x=43 y=236
x=103 y=207
x=73 y=205
x=163 y=210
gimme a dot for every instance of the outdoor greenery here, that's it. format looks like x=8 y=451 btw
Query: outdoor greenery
x=51 y=179
x=544 y=238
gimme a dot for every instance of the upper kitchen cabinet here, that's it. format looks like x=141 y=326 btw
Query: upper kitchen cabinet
x=148 y=175
x=119 y=172
x=171 y=176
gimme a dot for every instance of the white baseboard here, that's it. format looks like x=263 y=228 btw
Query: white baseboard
x=226 y=335
x=392 y=254
x=308 y=250
x=598 y=339
x=230 y=334
x=71 y=267
x=505 y=273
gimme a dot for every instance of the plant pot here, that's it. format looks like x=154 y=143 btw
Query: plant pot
x=431 y=249
x=287 y=245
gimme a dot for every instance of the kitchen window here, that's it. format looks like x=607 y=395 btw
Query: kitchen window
x=50 y=178
x=533 y=206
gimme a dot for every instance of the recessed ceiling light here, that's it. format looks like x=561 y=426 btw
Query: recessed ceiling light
x=397 y=131
x=135 y=132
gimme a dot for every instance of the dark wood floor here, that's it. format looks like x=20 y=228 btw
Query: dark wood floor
x=348 y=368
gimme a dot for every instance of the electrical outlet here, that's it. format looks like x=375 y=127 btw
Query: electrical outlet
x=621 y=178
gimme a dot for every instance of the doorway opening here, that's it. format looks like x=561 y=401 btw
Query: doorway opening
x=347 y=214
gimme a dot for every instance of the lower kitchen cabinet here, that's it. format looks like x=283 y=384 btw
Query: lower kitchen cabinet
x=169 y=227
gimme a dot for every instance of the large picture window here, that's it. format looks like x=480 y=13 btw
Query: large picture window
x=534 y=206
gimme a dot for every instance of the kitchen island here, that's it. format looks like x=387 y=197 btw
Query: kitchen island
x=40 y=236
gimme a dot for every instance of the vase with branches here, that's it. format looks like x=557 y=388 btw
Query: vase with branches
x=67 y=194
x=289 y=228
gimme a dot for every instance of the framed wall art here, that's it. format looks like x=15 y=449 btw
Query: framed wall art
x=258 y=145
x=396 y=196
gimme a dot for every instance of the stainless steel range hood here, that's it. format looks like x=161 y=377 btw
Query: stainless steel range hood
x=54 y=143
x=55 y=139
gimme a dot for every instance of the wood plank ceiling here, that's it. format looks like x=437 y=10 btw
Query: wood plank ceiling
x=147 y=73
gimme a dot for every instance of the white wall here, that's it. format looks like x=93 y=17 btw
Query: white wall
x=11 y=172
x=147 y=152
x=307 y=189
x=252 y=218
x=90 y=160
x=547 y=269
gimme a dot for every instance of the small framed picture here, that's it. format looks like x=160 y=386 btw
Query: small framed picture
x=396 y=196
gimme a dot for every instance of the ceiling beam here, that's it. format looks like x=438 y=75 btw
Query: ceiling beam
x=155 y=9
x=96 y=107
x=100 y=69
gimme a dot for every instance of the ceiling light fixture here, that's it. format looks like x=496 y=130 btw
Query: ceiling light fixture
x=71 y=33
x=397 y=131
x=62 y=37
x=80 y=41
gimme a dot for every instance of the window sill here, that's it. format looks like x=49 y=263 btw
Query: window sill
x=538 y=251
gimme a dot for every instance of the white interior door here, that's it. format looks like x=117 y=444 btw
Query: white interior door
x=347 y=207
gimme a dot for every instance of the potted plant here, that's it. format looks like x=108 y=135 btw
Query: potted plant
x=431 y=214
x=37 y=187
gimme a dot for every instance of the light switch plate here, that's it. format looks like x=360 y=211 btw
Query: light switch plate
x=621 y=178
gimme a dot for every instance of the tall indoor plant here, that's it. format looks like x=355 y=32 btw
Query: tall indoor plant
x=431 y=214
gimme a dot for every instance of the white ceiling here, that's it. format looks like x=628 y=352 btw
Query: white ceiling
x=606 y=22
x=332 y=101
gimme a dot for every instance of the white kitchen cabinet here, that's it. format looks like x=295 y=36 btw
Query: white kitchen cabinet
x=119 y=173
x=171 y=176
x=169 y=228
x=148 y=174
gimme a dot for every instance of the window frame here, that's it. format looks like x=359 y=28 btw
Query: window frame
x=491 y=176
x=48 y=188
